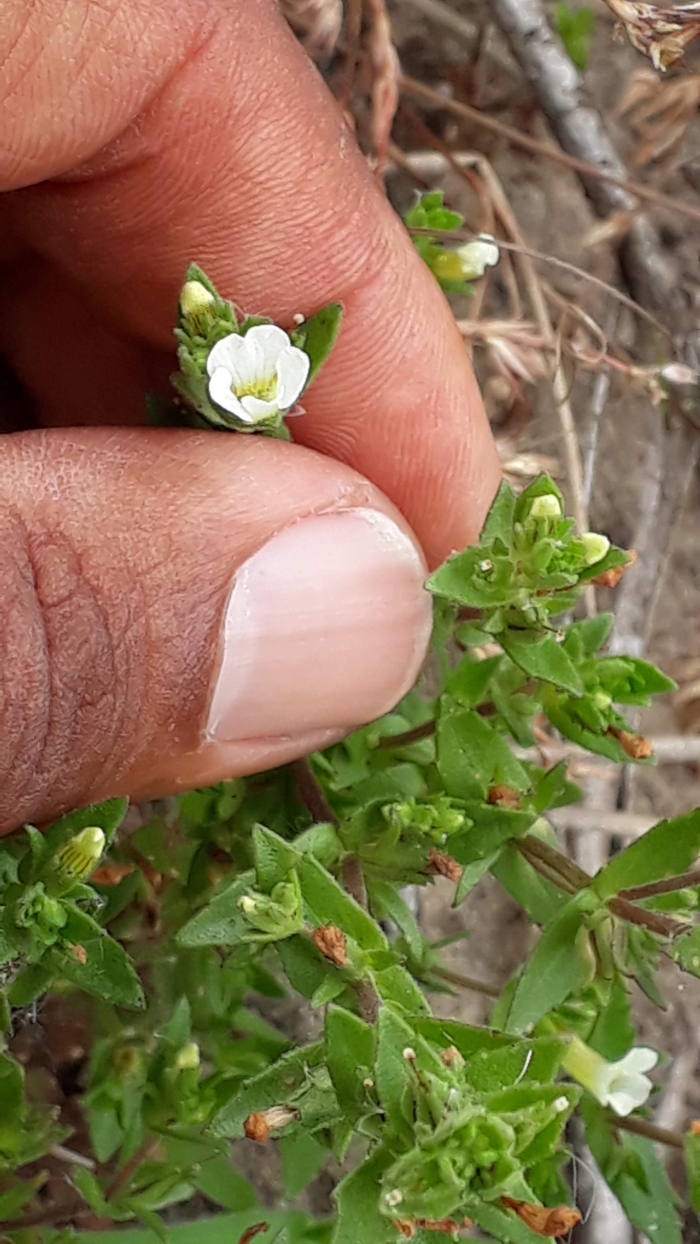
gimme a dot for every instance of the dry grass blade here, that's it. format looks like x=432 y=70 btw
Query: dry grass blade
x=660 y=31
x=385 y=71
x=318 y=22
x=659 y=113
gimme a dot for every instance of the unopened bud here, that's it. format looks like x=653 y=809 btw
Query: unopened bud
x=80 y=856
x=188 y=1058
x=409 y=1054
x=196 y=302
x=595 y=546
x=547 y=506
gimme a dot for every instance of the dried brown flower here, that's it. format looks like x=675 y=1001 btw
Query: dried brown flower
x=451 y=1057
x=635 y=745
x=504 y=797
x=331 y=943
x=446 y=1226
x=258 y=1125
x=443 y=865
x=554 y=1223
x=251 y=1233
x=80 y=954
x=111 y=874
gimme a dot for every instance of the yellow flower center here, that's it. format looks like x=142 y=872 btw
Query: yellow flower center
x=265 y=389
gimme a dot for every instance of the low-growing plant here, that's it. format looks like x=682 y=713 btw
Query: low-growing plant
x=167 y=932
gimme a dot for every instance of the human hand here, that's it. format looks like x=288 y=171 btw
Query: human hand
x=179 y=607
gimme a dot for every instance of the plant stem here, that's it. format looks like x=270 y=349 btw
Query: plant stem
x=641 y=1127
x=466 y=982
x=415 y=735
x=312 y=795
x=665 y=926
x=129 y=1168
x=669 y=886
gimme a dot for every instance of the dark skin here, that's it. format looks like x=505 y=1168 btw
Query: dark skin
x=138 y=135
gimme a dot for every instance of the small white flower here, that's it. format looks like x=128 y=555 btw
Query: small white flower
x=546 y=506
x=477 y=256
x=560 y=1104
x=621 y=1085
x=394 y=1198
x=256 y=376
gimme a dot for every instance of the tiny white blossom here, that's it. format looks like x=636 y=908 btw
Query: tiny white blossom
x=477 y=256
x=546 y=506
x=621 y=1085
x=256 y=376
x=561 y=1104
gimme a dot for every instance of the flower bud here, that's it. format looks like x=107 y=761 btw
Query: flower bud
x=188 y=1058
x=477 y=256
x=547 y=506
x=80 y=856
x=197 y=304
x=595 y=547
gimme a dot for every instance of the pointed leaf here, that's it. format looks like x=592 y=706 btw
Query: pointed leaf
x=668 y=849
x=552 y=973
x=542 y=657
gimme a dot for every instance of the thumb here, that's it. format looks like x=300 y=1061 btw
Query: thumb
x=173 y=616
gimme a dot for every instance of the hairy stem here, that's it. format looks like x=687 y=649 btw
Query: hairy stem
x=312 y=795
x=669 y=886
x=415 y=735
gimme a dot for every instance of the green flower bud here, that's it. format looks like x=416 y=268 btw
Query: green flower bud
x=547 y=506
x=197 y=306
x=188 y=1058
x=274 y=915
x=595 y=547
x=602 y=700
x=80 y=856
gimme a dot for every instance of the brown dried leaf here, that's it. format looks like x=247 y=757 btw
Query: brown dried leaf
x=662 y=32
x=554 y=1223
x=451 y=1057
x=80 y=954
x=331 y=943
x=407 y=1227
x=611 y=578
x=695 y=1127
x=659 y=113
x=443 y=865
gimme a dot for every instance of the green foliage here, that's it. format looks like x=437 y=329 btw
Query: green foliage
x=241 y=894
x=429 y=212
x=576 y=32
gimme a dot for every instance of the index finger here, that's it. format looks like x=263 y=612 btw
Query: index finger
x=239 y=160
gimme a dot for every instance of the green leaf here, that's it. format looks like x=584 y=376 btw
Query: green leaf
x=467 y=684
x=331 y=905
x=221 y=1183
x=576 y=32
x=350 y=1046
x=12 y=1201
x=90 y=1190
x=107 y=972
x=273 y=1087
x=540 y=899
x=686 y=952
x=317 y=336
x=221 y=922
x=521 y=1062
x=540 y=656
x=397 y=987
x=357 y=1197
x=176 y=1032
x=613 y=1034
x=274 y=858
x=635 y=1174
x=691 y=1145
x=472 y=756
x=500 y=1224
x=499 y=520
x=303 y=1158
x=552 y=973
x=108 y=816
x=386 y=902
x=393 y=1074
x=668 y=849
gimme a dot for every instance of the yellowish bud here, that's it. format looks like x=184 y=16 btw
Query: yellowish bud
x=547 y=506
x=188 y=1058
x=80 y=856
x=596 y=547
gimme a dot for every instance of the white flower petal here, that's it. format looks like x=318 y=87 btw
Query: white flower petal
x=221 y=394
x=257 y=409
x=243 y=360
x=623 y=1103
x=293 y=368
x=640 y=1058
x=270 y=341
